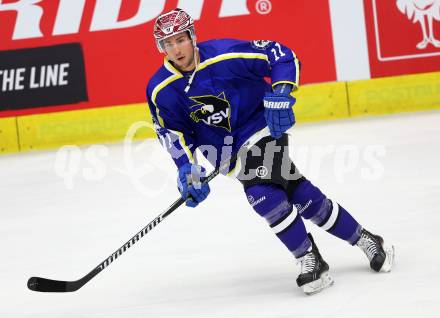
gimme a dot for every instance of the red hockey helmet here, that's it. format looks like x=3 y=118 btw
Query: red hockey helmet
x=171 y=23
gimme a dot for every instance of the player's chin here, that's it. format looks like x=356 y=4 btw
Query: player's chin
x=181 y=62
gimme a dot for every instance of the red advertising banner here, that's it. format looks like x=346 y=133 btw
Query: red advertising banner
x=120 y=54
x=403 y=36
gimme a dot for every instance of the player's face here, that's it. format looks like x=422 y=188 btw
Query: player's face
x=180 y=51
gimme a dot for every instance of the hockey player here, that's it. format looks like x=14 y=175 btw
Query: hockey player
x=213 y=96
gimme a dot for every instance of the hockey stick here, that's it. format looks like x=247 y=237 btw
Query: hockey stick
x=49 y=285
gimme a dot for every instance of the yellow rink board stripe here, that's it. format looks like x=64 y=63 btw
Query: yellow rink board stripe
x=97 y=125
x=395 y=94
x=315 y=102
x=8 y=135
x=321 y=102
x=110 y=124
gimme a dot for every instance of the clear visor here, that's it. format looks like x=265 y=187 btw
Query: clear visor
x=162 y=46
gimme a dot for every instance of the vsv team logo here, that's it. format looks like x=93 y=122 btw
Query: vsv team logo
x=212 y=110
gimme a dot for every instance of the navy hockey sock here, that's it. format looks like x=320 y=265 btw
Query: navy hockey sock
x=271 y=202
x=313 y=205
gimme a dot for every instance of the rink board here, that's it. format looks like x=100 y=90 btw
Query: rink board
x=321 y=102
x=98 y=125
x=315 y=102
x=8 y=135
x=398 y=94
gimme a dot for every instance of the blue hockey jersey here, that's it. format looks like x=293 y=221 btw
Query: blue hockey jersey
x=223 y=106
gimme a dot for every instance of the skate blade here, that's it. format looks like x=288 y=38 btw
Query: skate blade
x=389 y=259
x=318 y=285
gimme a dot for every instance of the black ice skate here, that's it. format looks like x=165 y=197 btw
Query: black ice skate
x=314 y=275
x=381 y=256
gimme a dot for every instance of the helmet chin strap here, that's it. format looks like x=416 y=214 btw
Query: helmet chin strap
x=196 y=60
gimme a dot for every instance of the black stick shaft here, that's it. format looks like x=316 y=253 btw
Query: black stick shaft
x=49 y=285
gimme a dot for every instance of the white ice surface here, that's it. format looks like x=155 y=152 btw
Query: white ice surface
x=221 y=259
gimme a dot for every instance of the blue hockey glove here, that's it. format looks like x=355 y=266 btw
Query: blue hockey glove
x=190 y=185
x=278 y=112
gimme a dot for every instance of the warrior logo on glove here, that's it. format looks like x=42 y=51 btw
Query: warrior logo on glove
x=212 y=110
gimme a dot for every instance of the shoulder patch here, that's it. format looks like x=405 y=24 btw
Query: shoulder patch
x=261 y=44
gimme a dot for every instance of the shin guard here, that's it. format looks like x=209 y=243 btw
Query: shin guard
x=313 y=205
x=271 y=202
